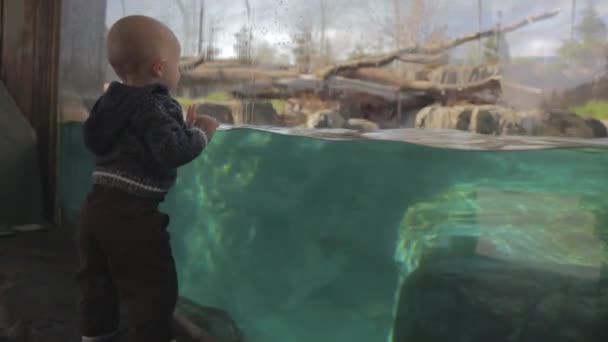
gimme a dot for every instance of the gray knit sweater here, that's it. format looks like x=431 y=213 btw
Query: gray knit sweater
x=139 y=139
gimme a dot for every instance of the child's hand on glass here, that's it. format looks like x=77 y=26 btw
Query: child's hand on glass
x=204 y=122
x=191 y=115
x=207 y=124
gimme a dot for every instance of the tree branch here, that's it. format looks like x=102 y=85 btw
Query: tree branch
x=379 y=61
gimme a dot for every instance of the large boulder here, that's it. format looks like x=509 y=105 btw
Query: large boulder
x=220 y=111
x=497 y=120
x=259 y=112
x=479 y=119
x=598 y=127
x=479 y=299
x=567 y=124
x=502 y=261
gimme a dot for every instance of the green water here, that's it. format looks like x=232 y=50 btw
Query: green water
x=304 y=239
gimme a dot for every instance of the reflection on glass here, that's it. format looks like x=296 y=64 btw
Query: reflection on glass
x=366 y=199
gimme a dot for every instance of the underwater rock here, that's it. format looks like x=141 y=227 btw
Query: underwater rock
x=221 y=112
x=497 y=120
x=216 y=322
x=501 y=261
x=477 y=299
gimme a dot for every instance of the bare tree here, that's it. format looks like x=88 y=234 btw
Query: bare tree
x=397 y=32
x=313 y=47
x=427 y=54
x=265 y=54
x=190 y=11
x=419 y=22
x=437 y=35
x=201 y=27
x=303 y=50
x=323 y=26
x=327 y=11
x=403 y=23
x=183 y=9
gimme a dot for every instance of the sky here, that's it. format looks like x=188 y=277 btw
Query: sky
x=361 y=21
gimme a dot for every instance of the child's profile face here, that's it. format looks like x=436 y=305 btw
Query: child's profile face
x=167 y=69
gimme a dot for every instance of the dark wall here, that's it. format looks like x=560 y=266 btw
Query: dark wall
x=28 y=68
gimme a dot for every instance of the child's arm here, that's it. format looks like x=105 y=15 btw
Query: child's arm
x=170 y=141
x=208 y=124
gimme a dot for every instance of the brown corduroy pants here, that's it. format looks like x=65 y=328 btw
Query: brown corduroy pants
x=125 y=258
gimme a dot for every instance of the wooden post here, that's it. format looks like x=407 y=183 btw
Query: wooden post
x=44 y=105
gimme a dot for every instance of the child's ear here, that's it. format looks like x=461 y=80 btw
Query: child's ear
x=157 y=68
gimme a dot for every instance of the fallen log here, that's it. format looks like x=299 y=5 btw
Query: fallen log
x=425 y=54
x=236 y=73
x=396 y=89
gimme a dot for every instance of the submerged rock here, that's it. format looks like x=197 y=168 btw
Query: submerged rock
x=259 y=112
x=505 y=261
x=216 y=322
x=497 y=120
x=477 y=299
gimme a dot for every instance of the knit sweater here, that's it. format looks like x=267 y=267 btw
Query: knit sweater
x=139 y=138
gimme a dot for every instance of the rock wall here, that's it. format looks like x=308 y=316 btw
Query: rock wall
x=499 y=120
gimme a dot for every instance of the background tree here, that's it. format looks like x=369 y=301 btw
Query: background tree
x=242 y=47
x=589 y=46
x=496 y=53
x=186 y=10
x=266 y=54
x=326 y=55
x=404 y=23
x=358 y=52
x=303 y=50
